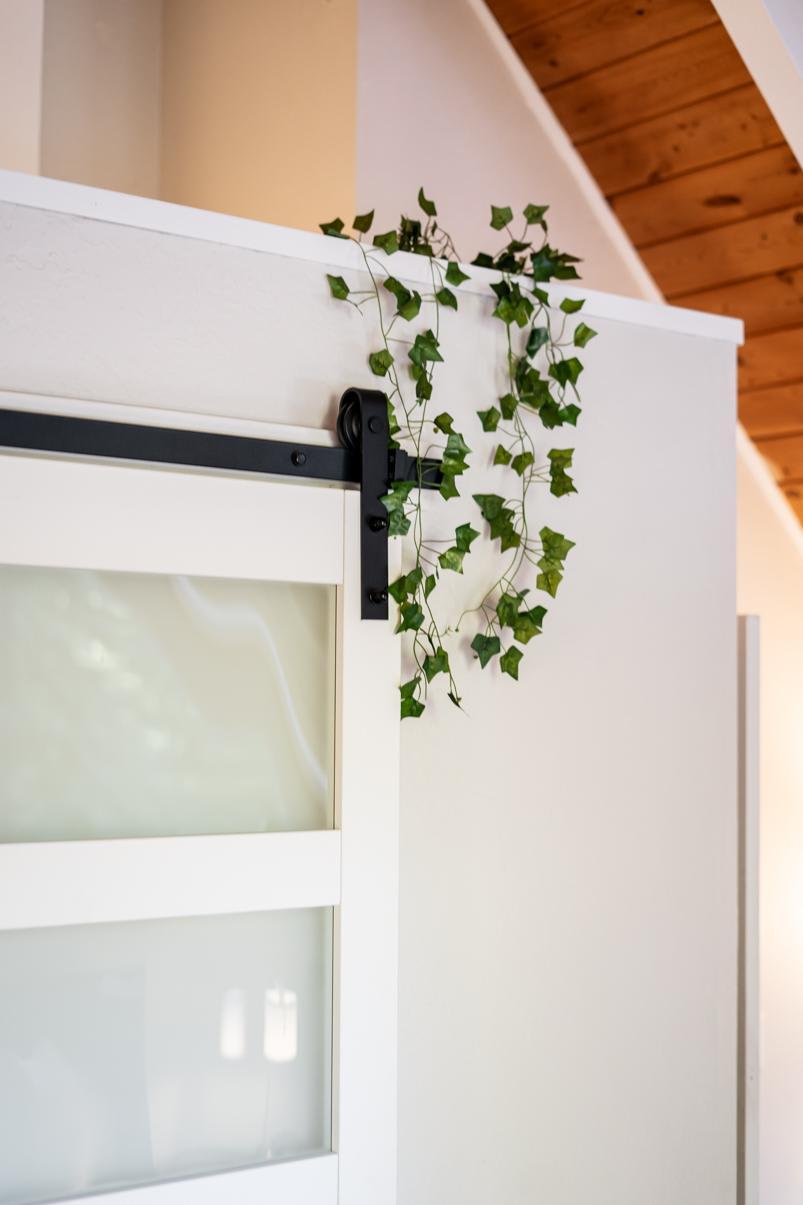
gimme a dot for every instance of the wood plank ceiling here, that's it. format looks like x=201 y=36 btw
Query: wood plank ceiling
x=668 y=120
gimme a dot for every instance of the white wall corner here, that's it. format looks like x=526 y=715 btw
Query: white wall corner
x=770 y=61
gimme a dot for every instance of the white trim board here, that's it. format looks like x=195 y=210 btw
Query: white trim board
x=58 y=196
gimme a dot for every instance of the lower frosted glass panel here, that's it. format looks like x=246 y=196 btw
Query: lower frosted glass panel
x=138 y=1052
x=142 y=705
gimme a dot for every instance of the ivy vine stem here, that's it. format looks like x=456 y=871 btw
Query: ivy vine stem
x=541 y=395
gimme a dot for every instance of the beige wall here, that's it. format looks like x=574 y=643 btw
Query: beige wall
x=260 y=108
x=20 y=83
x=101 y=93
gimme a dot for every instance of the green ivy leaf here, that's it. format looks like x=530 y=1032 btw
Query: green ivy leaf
x=464 y=536
x=501 y=215
x=333 y=228
x=539 y=335
x=395 y=501
x=555 y=544
x=483 y=260
x=389 y=242
x=583 y=334
x=501 y=455
x=380 y=362
x=425 y=348
x=534 y=215
x=454 y=276
x=410 y=706
x=427 y=205
x=570 y=414
x=500 y=519
x=411 y=617
x=446 y=297
x=508 y=404
x=549 y=264
x=549 y=580
x=507 y=609
x=394 y=286
x=398 y=589
x=444 y=423
x=571 y=307
x=423 y=388
x=512 y=306
x=509 y=662
x=409 y=308
x=338 y=287
x=363 y=222
x=560 y=459
x=529 y=624
x=485 y=647
x=452 y=559
x=519 y=464
x=436 y=663
x=447 y=489
x=430 y=582
x=566 y=371
x=489 y=418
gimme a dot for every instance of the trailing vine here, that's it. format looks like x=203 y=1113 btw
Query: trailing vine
x=542 y=371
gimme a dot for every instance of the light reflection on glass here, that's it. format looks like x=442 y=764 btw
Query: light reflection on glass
x=147 y=705
x=136 y=1052
x=281 y=1026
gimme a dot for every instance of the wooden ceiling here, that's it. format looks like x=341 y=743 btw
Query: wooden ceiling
x=663 y=111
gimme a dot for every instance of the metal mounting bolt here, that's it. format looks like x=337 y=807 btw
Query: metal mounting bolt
x=298 y=458
x=377 y=596
x=375 y=424
x=377 y=523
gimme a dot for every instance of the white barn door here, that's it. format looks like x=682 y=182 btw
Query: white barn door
x=198 y=842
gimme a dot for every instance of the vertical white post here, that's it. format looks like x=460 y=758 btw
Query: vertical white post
x=749 y=978
x=365 y=1107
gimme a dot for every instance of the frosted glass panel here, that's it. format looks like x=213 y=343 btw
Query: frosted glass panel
x=138 y=1052
x=142 y=705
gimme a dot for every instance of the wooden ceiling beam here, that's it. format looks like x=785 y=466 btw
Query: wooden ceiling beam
x=773 y=411
x=651 y=84
x=762 y=182
x=570 y=43
x=729 y=253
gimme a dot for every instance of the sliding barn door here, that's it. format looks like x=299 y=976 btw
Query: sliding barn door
x=198 y=828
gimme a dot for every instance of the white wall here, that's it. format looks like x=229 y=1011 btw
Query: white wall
x=771 y=48
x=568 y=847
x=21 y=24
x=101 y=93
x=770 y=560
x=489 y=133
x=467 y=123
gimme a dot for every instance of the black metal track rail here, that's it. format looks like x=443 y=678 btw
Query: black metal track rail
x=364 y=459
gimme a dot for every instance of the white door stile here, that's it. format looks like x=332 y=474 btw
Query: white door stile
x=366 y=925
x=185 y=876
x=297 y=1182
x=72 y=514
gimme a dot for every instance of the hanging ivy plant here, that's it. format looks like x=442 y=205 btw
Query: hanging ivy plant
x=542 y=370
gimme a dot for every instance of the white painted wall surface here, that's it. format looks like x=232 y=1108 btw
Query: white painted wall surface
x=468 y=124
x=101 y=93
x=568 y=848
x=770 y=559
x=772 y=55
x=21 y=24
